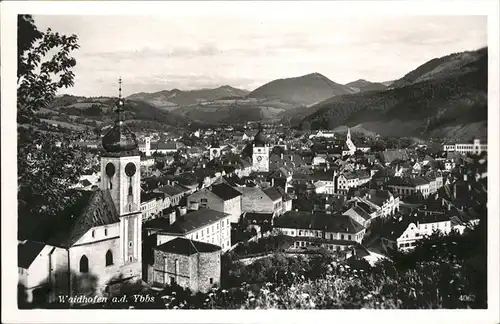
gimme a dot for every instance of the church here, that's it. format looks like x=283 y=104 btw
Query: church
x=96 y=245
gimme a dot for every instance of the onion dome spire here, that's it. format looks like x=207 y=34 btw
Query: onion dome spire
x=120 y=139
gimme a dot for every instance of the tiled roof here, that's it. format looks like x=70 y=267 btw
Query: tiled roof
x=272 y=193
x=94 y=208
x=27 y=253
x=187 y=223
x=225 y=191
x=170 y=190
x=187 y=247
x=259 y=217
x=318 y=221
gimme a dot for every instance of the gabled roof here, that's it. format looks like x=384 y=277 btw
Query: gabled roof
x=94 y=208
x=27 y=253
x=272 y=193
x=225 y=191
x=187 y=247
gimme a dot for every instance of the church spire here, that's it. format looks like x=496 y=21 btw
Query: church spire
x=119 y=103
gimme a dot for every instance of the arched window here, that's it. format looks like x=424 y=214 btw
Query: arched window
x=105 y=232
x=84 y=264
x=109 y=258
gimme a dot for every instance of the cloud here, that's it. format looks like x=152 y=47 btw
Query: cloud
x=153 y=54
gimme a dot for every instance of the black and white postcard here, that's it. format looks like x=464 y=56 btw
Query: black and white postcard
x=250 y=161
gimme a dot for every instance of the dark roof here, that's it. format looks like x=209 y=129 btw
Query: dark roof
x=85 y=182
x=225 y=191
x=318 y=221
x=27 y=253
x=187 y=223
x=94 y=208
x=170 y=190
x=272 y=193
x=259 y=218
x=187 y=247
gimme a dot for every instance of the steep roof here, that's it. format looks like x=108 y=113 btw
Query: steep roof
x=272 y=193
x=94 y=208
x=27 y=253
x=225 y=191
x=187 y=247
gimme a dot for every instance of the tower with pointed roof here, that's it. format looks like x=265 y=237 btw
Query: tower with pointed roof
x=120 y=174
x=348 y=142
x=260 y=153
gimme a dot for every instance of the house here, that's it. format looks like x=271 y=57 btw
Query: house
x=404 y=233
x=190 y=264
x=409 y=186
x=221 y=197
x=331 y=231
x=352 y=179
x=255 y=200
x=172 y=195
x=203 y=225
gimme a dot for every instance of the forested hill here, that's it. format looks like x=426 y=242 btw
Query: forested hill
x=451 y=102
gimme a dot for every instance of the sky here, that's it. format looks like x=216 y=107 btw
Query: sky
x=153 y=53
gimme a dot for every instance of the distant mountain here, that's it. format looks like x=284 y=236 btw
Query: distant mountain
x=363 y=85
x=100 y=110
x=444 y=67
x=304 y=90
x=445 y=97
x=173 y=99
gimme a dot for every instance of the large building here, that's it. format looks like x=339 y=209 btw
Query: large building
x=221 y=197
x=188 y=263
x=96 y=244
x=476 y=147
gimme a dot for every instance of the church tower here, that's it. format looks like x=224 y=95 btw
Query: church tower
x=260 y=154
x=120 y=174
x=214 y=150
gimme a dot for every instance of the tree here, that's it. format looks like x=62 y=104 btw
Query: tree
x=45 y=170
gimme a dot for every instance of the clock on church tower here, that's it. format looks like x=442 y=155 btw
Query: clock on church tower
x=120 y=165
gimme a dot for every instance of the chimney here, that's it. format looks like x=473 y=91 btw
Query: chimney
x=449 y=206
x=465 y=177
x=282 y=156
x=272 y=182
x=171 y=217
x=182 y=211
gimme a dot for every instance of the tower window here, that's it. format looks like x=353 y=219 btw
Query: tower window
x=105 y=232
x=130 y=259
x=84 y=264
x=130 y=190
x=110 y=185
x=109 y=258
x=93 y=234
x=130 y=244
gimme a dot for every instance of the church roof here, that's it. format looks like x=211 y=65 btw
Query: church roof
x=92 y=209
x=27 y=253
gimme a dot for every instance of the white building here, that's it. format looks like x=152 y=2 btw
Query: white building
x=476 y=147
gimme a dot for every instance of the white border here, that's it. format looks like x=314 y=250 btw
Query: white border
x=281 y=10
